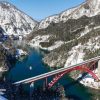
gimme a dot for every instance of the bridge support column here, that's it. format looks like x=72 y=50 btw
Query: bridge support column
x=31 y=89
x=46 y=81
x=45 y=84
x=98 y=68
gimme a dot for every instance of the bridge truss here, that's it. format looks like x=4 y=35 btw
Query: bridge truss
x=83 y=68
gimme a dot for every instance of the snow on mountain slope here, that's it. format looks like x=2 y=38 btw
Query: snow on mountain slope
x=89 y=8
x=48 y=20
x=77 y=54
x=56 y=18
x=65 y=55
x=13 y=21
x=74 y=35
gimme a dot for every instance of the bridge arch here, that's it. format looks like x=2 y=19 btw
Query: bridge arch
x=80 y=68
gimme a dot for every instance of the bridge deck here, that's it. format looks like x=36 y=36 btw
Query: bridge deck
x=38 y=77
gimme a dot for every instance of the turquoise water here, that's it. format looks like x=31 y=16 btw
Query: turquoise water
x=21 y=70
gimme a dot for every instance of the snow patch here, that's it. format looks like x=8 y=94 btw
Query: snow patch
x=13 y=21
x=54 y=46
x=36 y=41
x=2 y=98
x=48 y=20
x=89 y=8
x=87 y=30
x=89 y=81
x=2 y=69
x=75 y=56
x=93 y=44
x=20 y=52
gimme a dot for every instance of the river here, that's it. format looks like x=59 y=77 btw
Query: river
x=32 y=65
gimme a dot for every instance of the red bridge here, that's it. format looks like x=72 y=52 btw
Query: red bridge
x=86 y=66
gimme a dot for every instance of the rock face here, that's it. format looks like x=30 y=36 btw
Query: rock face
x=7 y=51
x=89 y=8
x=72 y=36
x=14 y=24
x=14 y=21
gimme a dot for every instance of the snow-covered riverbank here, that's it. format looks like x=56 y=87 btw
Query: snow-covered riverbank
x=35 y=43
x=20 y=52
x=2 y=69
x=89 y=81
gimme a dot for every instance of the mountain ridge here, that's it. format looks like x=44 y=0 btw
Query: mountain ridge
x=68 y=13
x=14 y=21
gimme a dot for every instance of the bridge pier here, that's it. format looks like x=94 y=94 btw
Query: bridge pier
x=98 y=69
x=31 y=89
x=45 y=83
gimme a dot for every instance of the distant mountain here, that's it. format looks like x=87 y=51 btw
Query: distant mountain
x=89 y=8
x=71 y=37
x=14 y=21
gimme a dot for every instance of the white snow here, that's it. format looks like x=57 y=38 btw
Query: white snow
x=2 y=98
x=2 y=69
x=56 y=18
x=5 y=47
x=48 y=20
x=97 y=27
x=20 y=52
x=93 y=44
x=13 y=21
x=44 y=38
x=36 y=41
x=54 y=46
x=89 y=8
x=89 y=81
x=64 y=15
x=87 y=30
x=2 y=93
x=75 y=56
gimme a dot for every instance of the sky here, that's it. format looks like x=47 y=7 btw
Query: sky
x=40 y=9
